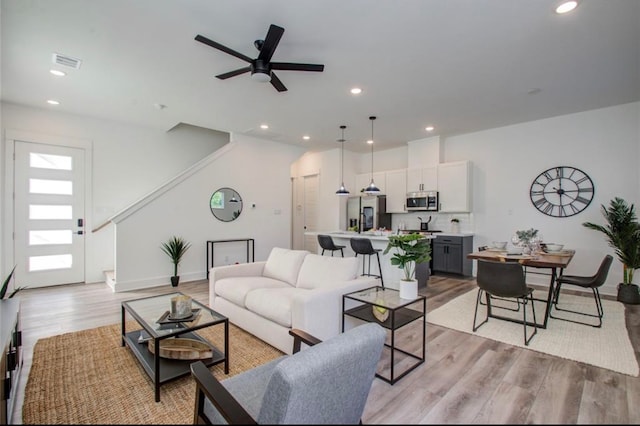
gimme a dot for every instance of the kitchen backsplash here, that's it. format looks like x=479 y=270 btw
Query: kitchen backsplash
x=439 y=221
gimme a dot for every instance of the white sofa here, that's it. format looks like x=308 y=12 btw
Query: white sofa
x=291 y=289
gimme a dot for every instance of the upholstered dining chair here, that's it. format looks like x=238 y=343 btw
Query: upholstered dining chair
x=593 y=282
x=504 y=280
x=325 y=383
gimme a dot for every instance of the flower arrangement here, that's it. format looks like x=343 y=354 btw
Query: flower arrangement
x=528 y=239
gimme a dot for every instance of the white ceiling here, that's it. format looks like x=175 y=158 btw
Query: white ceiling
x=461 y=65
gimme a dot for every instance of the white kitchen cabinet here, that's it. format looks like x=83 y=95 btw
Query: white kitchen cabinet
x=364 y=179
x=454 y=186
x=396 y=190
x=422 y=179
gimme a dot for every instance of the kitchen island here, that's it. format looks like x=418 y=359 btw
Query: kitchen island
x=391 y=274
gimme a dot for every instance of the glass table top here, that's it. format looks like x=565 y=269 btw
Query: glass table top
x=385 y=297
x=149 y=310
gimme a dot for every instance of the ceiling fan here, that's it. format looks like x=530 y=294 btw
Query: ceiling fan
x=261 y=67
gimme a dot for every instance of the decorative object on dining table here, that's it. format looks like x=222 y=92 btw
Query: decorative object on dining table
x=528 y=240
x=622 y=232
x=410 y=249
x=455 y=226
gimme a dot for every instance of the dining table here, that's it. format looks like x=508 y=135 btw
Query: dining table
x=554 y=263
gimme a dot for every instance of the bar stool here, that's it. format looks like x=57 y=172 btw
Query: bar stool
x=363 y=246
x=326 y=242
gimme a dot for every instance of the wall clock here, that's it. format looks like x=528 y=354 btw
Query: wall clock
x=561 y=191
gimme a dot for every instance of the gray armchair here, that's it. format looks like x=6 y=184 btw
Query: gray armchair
x=326 y=383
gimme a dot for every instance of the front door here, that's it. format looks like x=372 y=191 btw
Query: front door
x=48 y=214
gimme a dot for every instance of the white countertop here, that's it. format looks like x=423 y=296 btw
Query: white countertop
x=370 y=235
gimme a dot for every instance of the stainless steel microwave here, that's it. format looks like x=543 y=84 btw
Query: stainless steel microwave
x=423 y=201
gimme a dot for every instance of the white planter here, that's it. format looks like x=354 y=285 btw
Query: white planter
x=408 y=289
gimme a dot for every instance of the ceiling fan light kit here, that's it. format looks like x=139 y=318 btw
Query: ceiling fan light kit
x=261 y=68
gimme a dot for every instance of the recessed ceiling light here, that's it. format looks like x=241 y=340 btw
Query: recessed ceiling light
x=429 y=128
x=264 y=126
x=370 y=141
x=52 y=102
x=58 y=73
x=356 y=91
x=566 y=6
x=306 y=138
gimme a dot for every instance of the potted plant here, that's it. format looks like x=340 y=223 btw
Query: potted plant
x=175 y=248
x=410 y=249
x=622 y=232
x=5 y=286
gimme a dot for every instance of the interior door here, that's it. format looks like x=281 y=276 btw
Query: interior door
x=311 y=212
x=48 y=214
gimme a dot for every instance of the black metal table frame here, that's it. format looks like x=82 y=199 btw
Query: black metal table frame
x=391 y=324
x=210 y=244
x=548 y=301
x=179 y=331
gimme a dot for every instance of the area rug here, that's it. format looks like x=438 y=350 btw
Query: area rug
x=87 y=377
x=607 y=347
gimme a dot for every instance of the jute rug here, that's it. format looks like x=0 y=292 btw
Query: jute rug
x=86 y=377
x=607 y=347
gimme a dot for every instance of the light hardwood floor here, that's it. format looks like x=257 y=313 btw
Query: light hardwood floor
x=465 y=379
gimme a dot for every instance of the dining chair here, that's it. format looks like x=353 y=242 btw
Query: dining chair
x=593 y=282
x=504 y=280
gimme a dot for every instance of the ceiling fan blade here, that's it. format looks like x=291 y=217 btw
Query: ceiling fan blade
x=233 y=73
x=287 y=66
x=270 y=42
x=215 y=45
x=277 y=83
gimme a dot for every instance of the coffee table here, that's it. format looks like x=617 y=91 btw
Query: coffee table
x=147 y=311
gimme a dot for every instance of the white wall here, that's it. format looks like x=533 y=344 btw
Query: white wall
x=604 y=143
x=128 y=162
x=258 y=169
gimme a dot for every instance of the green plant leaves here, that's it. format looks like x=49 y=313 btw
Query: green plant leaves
x=175 y=248
x=410 y=249
x=622 y=232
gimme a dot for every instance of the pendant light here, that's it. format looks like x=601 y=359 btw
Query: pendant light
x=342 y=190
x=372 y=189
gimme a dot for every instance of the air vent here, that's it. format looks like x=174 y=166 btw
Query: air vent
x=66 y=61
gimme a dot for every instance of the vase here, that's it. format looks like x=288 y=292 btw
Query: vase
x=408 y=289
x=455 y=227
x=629 y=294
x=175 y=280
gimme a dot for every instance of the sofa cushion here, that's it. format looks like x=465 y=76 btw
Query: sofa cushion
x=317 y=271
x=284 y=264
x=235 y=289
x=272 y=303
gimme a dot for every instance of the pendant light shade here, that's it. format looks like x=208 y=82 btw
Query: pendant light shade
x=372 y=189
x=342 y=190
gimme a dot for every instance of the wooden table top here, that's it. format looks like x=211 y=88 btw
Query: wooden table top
x=538 y=260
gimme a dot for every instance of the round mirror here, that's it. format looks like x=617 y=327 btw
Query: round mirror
x=226 y=204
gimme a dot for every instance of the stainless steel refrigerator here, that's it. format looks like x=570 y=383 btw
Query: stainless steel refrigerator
x=368 y=212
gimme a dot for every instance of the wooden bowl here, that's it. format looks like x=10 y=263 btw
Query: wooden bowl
x=182 y=348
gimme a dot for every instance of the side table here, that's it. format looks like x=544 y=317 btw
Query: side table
x=401 y=313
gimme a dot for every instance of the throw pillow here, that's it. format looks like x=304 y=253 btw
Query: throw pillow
x=284 y=264
x=318 y=271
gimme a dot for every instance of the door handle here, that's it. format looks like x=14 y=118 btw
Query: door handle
x=80 y=223
x=80 y=232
